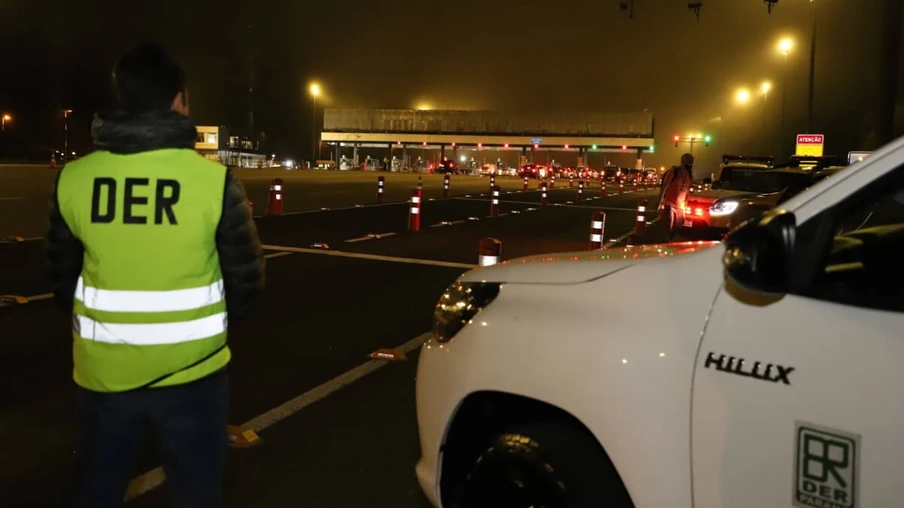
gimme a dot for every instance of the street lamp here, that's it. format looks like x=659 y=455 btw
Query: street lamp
x=315 y=92
x=784 y=46
x=764 y=89
x=4 y=119
x=66 y=114
x=742 y=96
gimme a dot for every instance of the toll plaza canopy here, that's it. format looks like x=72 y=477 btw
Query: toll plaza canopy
x=572 y=130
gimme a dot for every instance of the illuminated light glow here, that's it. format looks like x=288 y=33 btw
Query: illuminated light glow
x=624 y=147
x=742 y=96
x=593 y=147
x=566 y=147
x=506 y=145
x=765 y=87
x=723 y=208
x=536 y=146
x=707 y=138
x=785 y=45
x=453 y=145
x=624 y=360
x=314 y=89
x=425 y=143
x=479 y=145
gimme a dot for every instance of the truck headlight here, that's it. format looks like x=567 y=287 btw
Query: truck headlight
x=723 y=208
x=458 y=306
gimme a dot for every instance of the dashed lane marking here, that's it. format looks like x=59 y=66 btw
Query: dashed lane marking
x=48 y=296
x=371 y=236
x=373 y=257
x=155 y=477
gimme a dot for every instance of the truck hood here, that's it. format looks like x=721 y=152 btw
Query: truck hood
x=578 y=267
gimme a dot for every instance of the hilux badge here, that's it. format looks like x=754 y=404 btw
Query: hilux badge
x=741 y=367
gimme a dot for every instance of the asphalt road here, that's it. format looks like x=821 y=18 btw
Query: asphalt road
x=321 y=316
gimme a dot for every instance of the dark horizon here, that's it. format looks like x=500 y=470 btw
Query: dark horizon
x=501 y=56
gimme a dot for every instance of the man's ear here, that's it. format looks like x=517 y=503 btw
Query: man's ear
x=180 y=103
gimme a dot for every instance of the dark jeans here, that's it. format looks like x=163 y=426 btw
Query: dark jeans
x=189 y=424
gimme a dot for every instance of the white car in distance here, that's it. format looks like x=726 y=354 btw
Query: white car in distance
x=763 y=371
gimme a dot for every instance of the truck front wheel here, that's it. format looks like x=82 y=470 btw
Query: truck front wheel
x=544 y=464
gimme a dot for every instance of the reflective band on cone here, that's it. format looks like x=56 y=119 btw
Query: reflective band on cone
x=580 y=190
x=275 y=201
x=414 y=212
x=641 y=225
x=526 y=181
x=621 y=188
x=597 y=229
x=381 y=182
x=494 y=203
x=489 y=252
x=543 y=199
x=446 y=180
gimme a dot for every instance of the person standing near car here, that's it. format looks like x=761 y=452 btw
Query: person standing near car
x=672 y=201
x=151 y=247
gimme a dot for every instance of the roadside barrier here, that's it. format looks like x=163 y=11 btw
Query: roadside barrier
x=544 y=199
x=603 y=186
x=381 y=183
x=275 y=203
x=580 y=190
x=414 y=211
x=641 y=225
x=570 y=182
x=597 y=229
x=526 y=183
x=489 y=252
x=552 y=182
x=492 y=182
x=420 y=185
x=494 y=203
x=446 y=180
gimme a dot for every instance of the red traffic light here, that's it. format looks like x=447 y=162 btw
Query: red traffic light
x=566 y=147
x=453 y=145
x=624 y=147
x=506 y=145
x=479 y=145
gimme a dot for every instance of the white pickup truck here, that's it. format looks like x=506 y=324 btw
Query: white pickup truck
x=766 y=370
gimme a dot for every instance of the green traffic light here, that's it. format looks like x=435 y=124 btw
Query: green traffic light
x=594 y=147
x=652 y=149
x=707 y=139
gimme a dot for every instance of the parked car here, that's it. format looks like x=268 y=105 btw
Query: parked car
x=765 y=371
x=744 y=193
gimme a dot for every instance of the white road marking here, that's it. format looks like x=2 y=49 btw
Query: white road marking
x=374 y=257
x=13 y=198
x=155 y=477
x=360 y=239
x=48 y=296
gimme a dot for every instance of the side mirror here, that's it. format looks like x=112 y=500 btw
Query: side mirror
x=758 y=253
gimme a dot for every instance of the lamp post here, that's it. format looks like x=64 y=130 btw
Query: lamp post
x=784 y=46
x=66 y=113
x=812 y=71
x=764 y=89
x=315 y=92
x=4 y=120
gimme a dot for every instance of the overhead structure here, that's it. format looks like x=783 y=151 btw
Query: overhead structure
x=490 y=129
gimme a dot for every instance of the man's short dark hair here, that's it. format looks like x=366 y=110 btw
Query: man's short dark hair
x=147 y=79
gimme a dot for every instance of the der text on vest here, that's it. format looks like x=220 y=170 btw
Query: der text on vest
x=135 y=195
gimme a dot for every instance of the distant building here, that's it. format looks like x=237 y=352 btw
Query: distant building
x=216 y=144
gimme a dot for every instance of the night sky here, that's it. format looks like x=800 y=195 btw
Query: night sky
x=468 y=54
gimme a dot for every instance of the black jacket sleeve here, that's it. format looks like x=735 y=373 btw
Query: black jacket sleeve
x=65 y=254
x=239 y=248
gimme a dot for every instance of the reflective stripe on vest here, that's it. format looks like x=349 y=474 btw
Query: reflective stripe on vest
x=146 y=334
x=148 y=301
